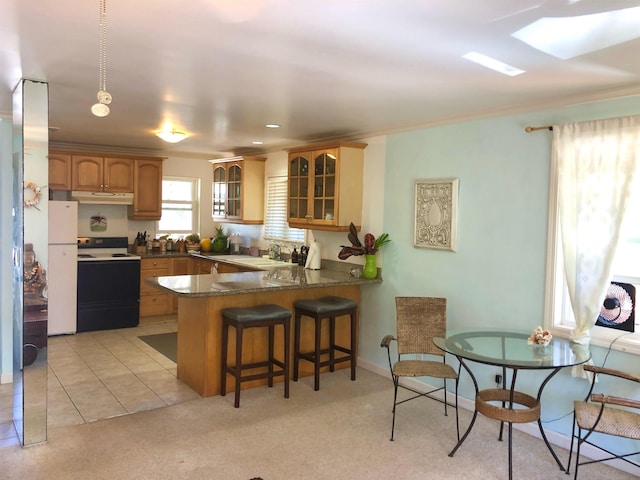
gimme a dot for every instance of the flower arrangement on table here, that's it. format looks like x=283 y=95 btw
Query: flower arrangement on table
x=540 y=337
x=370 y=247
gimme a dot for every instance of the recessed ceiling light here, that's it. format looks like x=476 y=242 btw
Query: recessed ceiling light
x=272 y=125
x=257 y=142
x=493 y=64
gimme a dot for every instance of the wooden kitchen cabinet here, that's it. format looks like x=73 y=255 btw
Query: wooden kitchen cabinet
x=201 y=266
x=238 y=190
x=59 y=171
x=101 y=174
x=179 y=266
x=325 y=186
x=223 y=267
x=152 y=300
x=147 y=190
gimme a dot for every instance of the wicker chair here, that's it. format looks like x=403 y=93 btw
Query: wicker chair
x=418 y=320
x=605 y=414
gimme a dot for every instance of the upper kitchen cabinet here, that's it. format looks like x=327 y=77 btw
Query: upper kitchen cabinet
x=238 y=190
x=325 y=186
x=59 y=171
x=147 y=189
x=101 y=174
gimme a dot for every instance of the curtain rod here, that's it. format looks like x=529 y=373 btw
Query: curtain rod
x=533 y=129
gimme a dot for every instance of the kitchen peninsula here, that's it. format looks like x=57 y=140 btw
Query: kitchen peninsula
x=202 y=297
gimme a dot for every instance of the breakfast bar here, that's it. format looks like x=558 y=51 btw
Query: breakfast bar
x=202 y=297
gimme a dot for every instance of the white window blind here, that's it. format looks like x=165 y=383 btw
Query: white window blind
x=276 y=226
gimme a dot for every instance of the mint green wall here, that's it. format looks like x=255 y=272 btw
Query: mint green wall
x=497 y=275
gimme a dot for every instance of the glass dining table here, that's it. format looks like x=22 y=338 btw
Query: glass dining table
x=510 y=351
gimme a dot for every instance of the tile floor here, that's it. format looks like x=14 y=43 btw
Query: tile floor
x=96 y=375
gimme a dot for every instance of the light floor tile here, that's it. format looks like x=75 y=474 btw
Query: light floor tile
x=95 y=375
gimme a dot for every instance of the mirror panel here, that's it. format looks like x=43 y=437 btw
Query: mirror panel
x=31 y=146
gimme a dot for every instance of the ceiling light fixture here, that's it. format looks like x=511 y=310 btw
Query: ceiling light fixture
x=272 y=125
x=493 y=64
x=171 y=136
x=101 y=108
x=257 y=142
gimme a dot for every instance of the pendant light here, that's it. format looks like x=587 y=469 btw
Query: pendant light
x=101 y=109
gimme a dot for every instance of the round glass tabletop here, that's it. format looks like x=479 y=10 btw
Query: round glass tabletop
x=510 y=349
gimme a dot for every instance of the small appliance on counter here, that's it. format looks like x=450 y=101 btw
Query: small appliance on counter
x=236 y=243
x=314 y=261
x=302 y=256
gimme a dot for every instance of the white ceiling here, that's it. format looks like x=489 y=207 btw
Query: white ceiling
x=331 y=69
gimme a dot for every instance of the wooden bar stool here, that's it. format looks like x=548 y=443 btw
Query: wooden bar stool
x=255 y=317
x=326 y=307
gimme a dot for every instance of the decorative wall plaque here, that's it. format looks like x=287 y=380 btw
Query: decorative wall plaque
x=435 y=214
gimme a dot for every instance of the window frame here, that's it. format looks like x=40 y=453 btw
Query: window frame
x=557 y=308
x=195 y=206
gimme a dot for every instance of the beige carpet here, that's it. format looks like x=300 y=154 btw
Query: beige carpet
x=339 y=432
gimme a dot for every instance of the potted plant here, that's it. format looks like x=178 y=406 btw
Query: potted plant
x=192 y=242
x=369 y=250
x=220 y=242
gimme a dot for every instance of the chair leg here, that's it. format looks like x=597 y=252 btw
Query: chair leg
x=296 y=347
x=510 y=451
x=332 y=343
x=287 y=340
x=444 y=381
x=316 y=357
x=238 y=367
x=578 y=443
x=353 y=345
x=223 y=364
x=270 y=360
x=395 y=398
x=573 y=436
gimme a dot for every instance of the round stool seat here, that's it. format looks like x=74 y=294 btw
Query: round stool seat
x=326 y=305
x=257 y=313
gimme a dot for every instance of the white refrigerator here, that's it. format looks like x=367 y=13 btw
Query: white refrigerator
x=62 y=273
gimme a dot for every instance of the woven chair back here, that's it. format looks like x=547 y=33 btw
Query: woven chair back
x=419 y=319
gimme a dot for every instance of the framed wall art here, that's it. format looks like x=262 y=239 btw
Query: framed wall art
x=436 y=213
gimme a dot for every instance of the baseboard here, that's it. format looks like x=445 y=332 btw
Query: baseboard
x=6 y=378
x=532 y=429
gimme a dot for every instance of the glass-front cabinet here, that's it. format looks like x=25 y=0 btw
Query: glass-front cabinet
x=219 y=191
x=325 y=186
x=237 y=190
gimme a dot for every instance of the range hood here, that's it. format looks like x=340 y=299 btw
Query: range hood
x=103 y=198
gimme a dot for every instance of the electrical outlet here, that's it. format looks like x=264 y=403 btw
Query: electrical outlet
x=498 y=378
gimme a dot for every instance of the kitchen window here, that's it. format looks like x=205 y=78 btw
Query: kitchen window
x=598 y=168
x=180 y=207
x=276 y=226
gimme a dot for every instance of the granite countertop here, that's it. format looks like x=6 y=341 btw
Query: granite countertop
x=287 y=277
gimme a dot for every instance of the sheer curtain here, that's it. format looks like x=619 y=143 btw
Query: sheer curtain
x=597 y=162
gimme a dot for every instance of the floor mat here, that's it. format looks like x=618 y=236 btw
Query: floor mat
x=165 y=343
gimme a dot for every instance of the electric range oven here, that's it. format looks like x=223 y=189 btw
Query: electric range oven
x=108 y=284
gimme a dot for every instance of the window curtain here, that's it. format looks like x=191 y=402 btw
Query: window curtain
x=597 y=165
